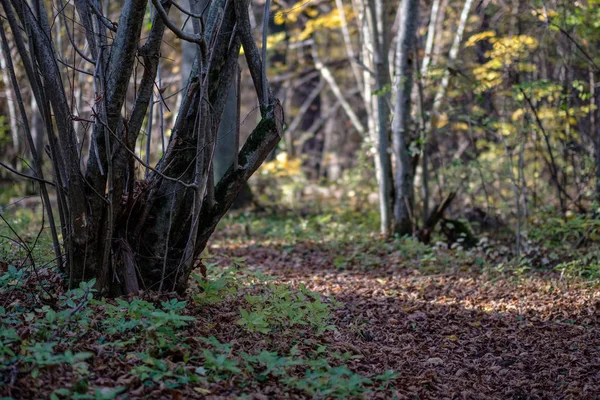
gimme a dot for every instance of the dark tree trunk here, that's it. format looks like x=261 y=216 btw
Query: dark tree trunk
x=126 y=233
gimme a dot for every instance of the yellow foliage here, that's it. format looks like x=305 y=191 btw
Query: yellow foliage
x=460 y=126
x=331 y=20
x=509 y=49
x=526 y=67
x=479 y=37
x=275 y=39
x=312 y=12
x=517 y=114
x=290 y=15
x=547 y=113
x=282 y=166
x=505 y=52
x=505 y=129
x=543 y=14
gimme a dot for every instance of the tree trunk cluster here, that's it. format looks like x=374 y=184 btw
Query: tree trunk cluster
x=128 y=233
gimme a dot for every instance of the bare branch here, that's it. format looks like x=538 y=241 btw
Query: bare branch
x=198 y=39
x=33 y=178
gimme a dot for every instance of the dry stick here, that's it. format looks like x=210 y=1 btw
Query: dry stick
x=435 y=217
x=149 y=132
x=517 y=193
x=479 y=167
x=572 y=40
x=186 y=12
x=440 y=96
x=596 y=132
x=145 y=91
x=198 y=39
x=33 y=178
x=105 y=21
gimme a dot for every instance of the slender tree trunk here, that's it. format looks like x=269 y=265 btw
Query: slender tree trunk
x=597 y=148
x=377 y=18
x=431 y=34
x=12 y=112
x=404 y=182
x=428 y=58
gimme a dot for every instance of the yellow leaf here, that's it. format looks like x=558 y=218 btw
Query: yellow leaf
x=442 y=121
x=517 y=114
x=460 y=126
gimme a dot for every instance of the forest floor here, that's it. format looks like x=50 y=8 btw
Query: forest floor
x=347 y=314
x=448 y=328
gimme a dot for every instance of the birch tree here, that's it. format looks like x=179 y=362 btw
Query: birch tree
x=124 y=232
x=372 y=17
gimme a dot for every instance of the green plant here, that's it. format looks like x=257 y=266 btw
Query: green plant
x=586 y=267
x=269 y=363
x=12 y=278
x=142 y=321
x=219 y=362
x=104 y=393
x=322 y=380
x=279 y=307
x=157 y=371
x=218 y=285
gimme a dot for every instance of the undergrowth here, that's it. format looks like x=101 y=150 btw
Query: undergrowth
x=157 y=343
x=564 y=246
x=237 y=330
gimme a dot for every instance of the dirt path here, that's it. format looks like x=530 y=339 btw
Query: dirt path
x=458 y=336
